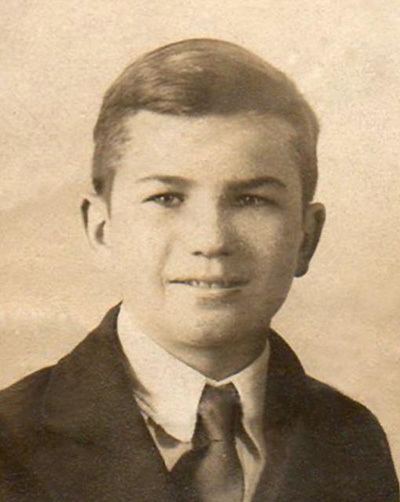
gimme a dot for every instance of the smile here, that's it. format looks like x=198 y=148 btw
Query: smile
x=210 y=283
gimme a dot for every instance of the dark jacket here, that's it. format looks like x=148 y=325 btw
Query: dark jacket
x=73 y=432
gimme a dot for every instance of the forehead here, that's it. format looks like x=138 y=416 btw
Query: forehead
x=209 y=147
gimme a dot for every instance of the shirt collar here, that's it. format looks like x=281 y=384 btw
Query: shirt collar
x=168 y=391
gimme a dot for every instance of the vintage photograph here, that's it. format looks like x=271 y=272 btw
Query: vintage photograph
x=199 y=254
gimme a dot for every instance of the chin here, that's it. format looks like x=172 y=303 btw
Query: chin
x=210 y=331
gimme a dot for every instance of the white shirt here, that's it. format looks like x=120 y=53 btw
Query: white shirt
x=168 y=394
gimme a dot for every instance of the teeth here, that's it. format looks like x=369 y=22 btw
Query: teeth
x=209 y=285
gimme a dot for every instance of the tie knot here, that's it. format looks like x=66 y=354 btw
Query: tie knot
x=219 y=409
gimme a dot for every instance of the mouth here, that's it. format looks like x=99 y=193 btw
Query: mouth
x=211 y=283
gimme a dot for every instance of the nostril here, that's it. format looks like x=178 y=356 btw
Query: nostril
x=216 y=253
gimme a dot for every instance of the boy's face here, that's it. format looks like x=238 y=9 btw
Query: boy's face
x=207 y=225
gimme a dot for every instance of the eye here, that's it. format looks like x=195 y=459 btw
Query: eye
x=169 y=200
x=249 y=200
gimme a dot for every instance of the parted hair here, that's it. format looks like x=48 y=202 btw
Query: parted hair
x=198 y=77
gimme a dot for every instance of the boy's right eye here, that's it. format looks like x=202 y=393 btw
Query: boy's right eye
x=166 y=199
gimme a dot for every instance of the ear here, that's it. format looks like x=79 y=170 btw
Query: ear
x=96 y=221
x=314 y=219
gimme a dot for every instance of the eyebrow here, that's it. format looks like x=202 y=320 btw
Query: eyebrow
x=246 y=184
x=258 y=182
x=169 y=180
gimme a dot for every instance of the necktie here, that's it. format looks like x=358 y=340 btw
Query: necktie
x=211 y=471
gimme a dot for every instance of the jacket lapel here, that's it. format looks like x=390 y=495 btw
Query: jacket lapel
x=285 y=396
x=96 y=445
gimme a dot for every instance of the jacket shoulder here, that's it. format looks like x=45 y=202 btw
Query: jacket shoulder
x=20 y=403
x=343 y=420
x=332 y=404
x=20 y=412
x=347 y=439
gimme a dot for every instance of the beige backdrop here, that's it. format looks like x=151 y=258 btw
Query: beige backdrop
x=57 y=57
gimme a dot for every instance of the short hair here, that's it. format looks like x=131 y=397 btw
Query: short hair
x=200 y=77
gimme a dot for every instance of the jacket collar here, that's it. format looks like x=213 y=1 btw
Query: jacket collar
x=286 y=399
x=89 y=401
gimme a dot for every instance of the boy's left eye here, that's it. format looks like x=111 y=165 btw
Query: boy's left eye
x=252 y=200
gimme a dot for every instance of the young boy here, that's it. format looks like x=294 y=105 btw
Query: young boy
x=204 y=173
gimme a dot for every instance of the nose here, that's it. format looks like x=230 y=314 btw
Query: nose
x=209 y=233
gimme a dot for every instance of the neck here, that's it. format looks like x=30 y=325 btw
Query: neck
x=219 y=363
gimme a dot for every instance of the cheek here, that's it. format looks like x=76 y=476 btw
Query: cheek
x=274 y=257
x=139 y=247
x=273 y=239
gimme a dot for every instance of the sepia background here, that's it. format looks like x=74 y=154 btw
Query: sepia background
x=57 y=57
